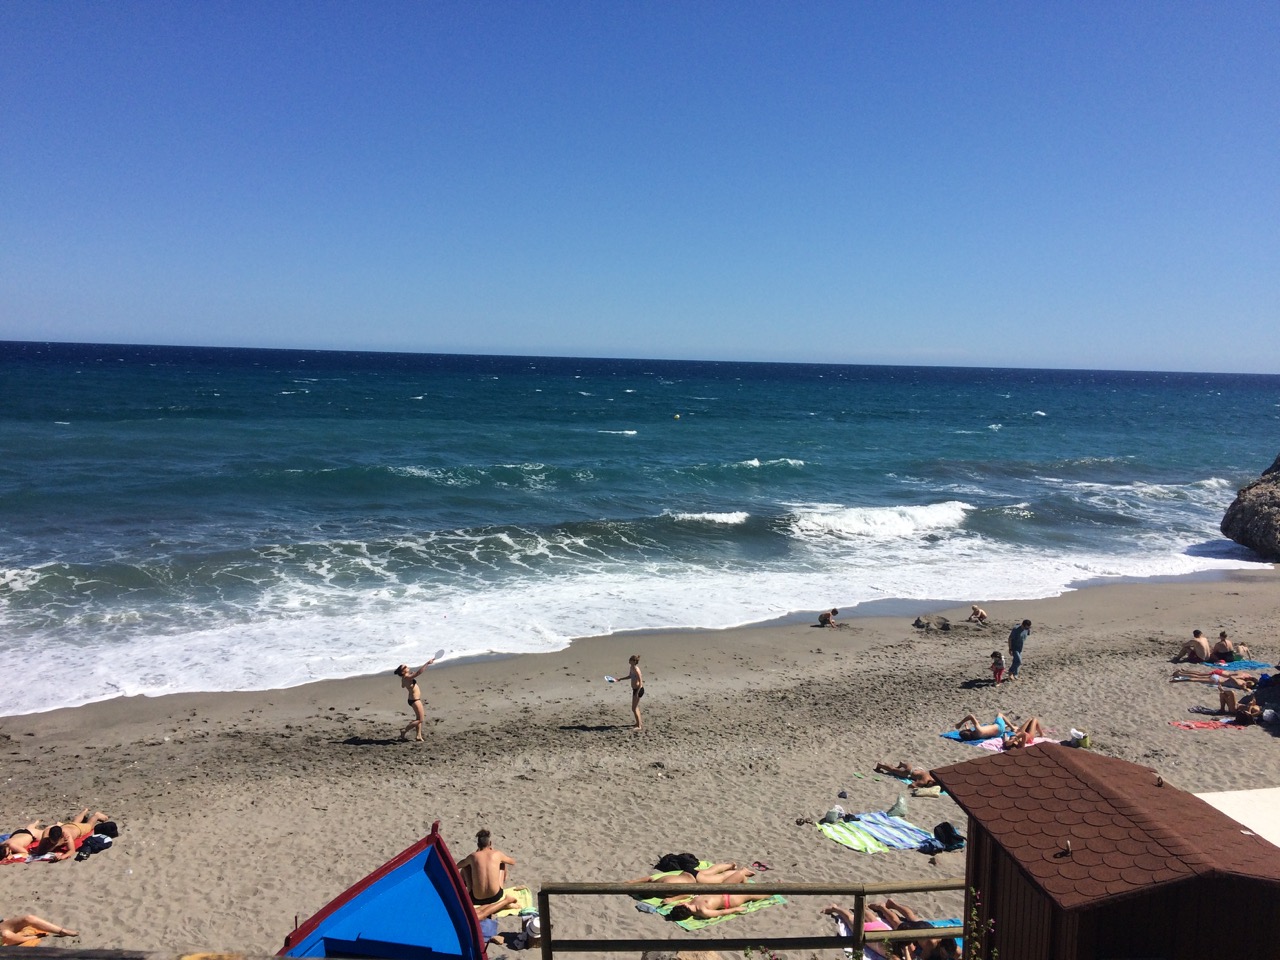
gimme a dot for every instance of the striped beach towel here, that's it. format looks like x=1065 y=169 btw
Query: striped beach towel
x=894 y=832
x=852 y=835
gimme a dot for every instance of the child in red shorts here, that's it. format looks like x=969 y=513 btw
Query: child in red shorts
x=997 y=665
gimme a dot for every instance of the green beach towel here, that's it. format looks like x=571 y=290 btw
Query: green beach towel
x=695 y=923
x=524 y=900
x=852 y=836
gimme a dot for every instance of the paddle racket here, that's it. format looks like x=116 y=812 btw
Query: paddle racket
x=439 y=654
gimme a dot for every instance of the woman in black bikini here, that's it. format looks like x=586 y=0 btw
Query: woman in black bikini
x=20 y=842
x=409 y=680
x=637 y=689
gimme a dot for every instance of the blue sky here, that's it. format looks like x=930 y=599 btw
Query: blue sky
x=1035 y=184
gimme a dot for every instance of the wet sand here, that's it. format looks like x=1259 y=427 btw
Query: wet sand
x=240 y=812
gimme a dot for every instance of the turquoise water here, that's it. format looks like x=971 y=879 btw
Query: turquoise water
x=189 y=518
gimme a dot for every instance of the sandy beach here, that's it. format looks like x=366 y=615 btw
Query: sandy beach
x=240 y=812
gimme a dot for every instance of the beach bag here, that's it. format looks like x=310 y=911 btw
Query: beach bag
x=947 y=835
x=107 y=828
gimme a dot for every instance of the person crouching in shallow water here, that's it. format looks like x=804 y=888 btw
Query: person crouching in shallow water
x=409 y=680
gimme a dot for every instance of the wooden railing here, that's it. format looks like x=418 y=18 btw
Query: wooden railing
x=858 y=937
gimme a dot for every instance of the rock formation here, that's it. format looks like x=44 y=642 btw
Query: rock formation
x=1253 y=519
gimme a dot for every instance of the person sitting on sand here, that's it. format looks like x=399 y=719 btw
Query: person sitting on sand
x=1246 y=709
x=716 y=873
x=27 y=930
x=828 y=618
x=978 y=615
x=485 y=873
x=20 y=842
x=1221 y=678
x=710 y=906
x=409 y=680
x=1224 y=649
x=918 y=776
x=60 y=839
x=1195 y=650
x=1025 y=735
x=970 y=729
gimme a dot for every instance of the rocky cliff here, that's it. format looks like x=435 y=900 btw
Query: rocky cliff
x=1253 y=519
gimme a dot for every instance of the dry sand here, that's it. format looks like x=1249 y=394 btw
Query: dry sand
x=239 y=812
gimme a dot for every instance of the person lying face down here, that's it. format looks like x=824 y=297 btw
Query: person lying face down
x=918 y=776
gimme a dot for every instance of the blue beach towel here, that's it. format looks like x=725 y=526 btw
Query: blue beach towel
x=1240 y=665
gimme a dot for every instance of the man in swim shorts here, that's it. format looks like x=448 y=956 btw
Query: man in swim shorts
x=485 y=873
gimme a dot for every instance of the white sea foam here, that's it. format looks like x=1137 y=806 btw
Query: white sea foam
x=732 y=518
x=620 y=433
x=307 y=631
x=876 y=523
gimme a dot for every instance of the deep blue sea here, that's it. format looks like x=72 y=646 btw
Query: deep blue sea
x=177 y=519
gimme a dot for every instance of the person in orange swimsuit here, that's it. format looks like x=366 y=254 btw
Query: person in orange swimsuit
x=60 y=839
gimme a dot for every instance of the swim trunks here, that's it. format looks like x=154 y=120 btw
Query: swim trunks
x=415 y=700
x=486 y=900
x=728 y=905
x=999 y=722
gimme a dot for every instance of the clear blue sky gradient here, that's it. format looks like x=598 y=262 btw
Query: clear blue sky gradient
x=1057 y=184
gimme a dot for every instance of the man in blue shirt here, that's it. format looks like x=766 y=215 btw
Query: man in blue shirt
x=1017 y=637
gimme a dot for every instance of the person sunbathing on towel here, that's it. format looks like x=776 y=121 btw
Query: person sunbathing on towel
x=60 y=839
x=918 y=776
x=711 y=905
x=891 y=915
x=1026 y=734
x=970 y=729
x=27 y=929
x=716 y=873
x=20 y=842
x=1237 y=681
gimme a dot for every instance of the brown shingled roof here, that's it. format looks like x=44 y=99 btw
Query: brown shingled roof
x=1126 y=832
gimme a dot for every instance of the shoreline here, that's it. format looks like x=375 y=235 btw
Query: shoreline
x=888 y=608
x=239 y=811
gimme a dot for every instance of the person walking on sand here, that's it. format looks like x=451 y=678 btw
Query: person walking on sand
x=409 y=680
x=1017 y=638
x=637 y=689
x=485 y=873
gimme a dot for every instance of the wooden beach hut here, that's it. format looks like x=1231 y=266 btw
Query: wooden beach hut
x=1074 y=855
